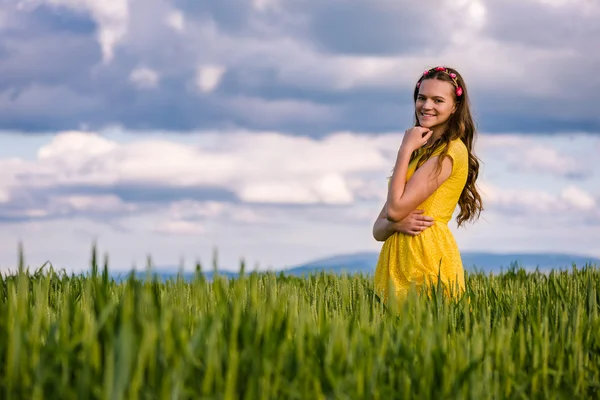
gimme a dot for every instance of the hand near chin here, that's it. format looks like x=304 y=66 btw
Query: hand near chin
x=415 y=138
x=414 y=223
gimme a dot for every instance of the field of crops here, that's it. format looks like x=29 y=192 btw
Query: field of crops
x=516 y=335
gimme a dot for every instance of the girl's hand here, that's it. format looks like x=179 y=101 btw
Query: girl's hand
x=414 y=224
x=415 y=138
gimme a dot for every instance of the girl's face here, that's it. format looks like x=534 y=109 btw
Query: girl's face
x=435 y=103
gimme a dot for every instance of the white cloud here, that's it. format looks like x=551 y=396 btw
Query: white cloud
x=103 y=207
x=548 y=159
x=188 y=209
x=535 y=154
x=477 y=12
x=534 y=202
x=263 y=5
x=271 y=168
x=208 y=77
x=291 y=190
x=65 y=158
x=262 y=168
x=300 y=65
x=473 y=15
x=179 y=228
x=578 y=198
x=100 y=203
x=502 y=140
x=330 y=189
x=584 y=4
x=196 y=213
x=333 y=189
x=176 y=20
x=3 y=19
x=9 y=169
x=144 y=78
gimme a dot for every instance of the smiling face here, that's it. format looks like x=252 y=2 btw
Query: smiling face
x=435 y=103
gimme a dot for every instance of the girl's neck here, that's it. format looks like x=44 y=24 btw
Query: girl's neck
x=438 y=131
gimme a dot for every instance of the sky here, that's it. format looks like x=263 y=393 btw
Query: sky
x=266 y=129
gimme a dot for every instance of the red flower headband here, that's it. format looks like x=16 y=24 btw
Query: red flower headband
x=452 y=75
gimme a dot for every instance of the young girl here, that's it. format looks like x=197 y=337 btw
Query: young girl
x=435 y=170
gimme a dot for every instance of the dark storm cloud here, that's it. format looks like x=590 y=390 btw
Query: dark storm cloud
x=52 y=76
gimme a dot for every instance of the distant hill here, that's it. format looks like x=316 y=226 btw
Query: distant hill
x=365 y=263
x=349 y=263
x=543 y=261
x=481 y=261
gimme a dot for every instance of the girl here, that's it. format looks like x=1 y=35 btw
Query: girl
x=435 y=171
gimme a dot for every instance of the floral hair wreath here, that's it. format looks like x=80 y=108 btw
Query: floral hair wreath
x=452 y=75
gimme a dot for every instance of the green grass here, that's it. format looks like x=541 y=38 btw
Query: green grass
x=516 y=335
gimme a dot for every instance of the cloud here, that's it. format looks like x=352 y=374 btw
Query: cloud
x=190 y=217
x=209 y=77
x=176 y=20
x=179 y=228
x=36 y=205
x=549 y=160
x=111 y=17
x=538 y=155
x=358 y=71
x=17 y=107
x=556 y=24
x=144 y=78
x=528 y=202
x=253 y=168
x=331 y=188
x=382 y=27
x=578 y=198
x=250 y=173
x=279 y=120
x=263 y=195
x=263 y=5
x=256 y=111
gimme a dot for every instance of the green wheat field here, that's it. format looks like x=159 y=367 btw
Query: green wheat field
x=515 y=335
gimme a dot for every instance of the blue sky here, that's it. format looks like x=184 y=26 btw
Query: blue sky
x=267 y=128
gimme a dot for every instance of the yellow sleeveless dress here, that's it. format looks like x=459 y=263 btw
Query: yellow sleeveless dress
x=407 y=260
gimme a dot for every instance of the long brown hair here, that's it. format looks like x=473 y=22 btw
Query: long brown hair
x=460 y=126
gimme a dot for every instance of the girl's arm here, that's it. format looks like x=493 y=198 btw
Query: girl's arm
x=404 y=197
x=412 y=225
x=382 y=228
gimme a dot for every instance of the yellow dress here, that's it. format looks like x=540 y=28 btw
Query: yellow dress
x=407 y=260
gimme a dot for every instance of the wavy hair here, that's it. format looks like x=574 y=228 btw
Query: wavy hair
x=460 y=126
